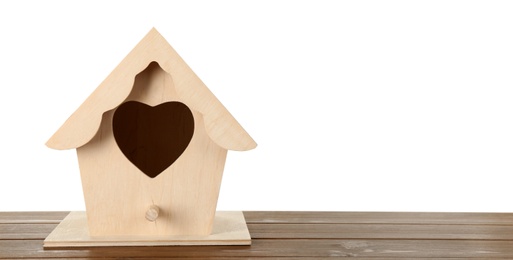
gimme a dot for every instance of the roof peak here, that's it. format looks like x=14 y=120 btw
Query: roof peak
x=83 y=124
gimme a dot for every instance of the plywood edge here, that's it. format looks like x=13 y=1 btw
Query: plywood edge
x=229 y=229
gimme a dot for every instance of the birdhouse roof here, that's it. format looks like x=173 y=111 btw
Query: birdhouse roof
x=83 y=124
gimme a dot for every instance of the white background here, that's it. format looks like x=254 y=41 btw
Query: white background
x=355 y=105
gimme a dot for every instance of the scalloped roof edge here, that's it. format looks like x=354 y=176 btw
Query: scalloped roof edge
x=83 y=124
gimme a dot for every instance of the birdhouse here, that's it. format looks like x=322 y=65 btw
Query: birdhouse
x=151 y=142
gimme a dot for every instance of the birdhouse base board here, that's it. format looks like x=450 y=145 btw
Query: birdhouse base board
x=229 y=229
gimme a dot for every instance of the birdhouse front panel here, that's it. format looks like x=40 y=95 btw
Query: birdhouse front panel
x=118 y=193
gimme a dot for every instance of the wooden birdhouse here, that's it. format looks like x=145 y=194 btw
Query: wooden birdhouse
x=151 y=142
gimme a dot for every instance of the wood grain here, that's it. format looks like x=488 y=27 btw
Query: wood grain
x=450 y=218
x=322 y=231
x=117 y=194
x=39 y=217
x=279 y=248
x=83 y=124
x=229 y=229
x=116 y=146
x=454 y=236
x=381 y=231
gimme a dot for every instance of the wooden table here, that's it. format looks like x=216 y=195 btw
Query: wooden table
x=303 y=235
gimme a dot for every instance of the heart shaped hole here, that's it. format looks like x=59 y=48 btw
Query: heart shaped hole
x=152 y=138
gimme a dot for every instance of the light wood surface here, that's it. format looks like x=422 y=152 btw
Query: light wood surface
x=449 y=236
x=152 y=213
x=229 y=229
x=118 y=194
x=119 y=184
x=84 y=123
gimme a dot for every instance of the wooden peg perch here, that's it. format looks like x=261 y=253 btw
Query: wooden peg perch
x=152 y=213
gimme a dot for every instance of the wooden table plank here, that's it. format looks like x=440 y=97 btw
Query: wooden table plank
x=300 y=235
x=274 y=258
x=452 y=218
x=281 y=248
x=319 y=217
x=321 y=231
x=279 y=258
x=25 y=231
x=53 y=217
x=381 y=231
